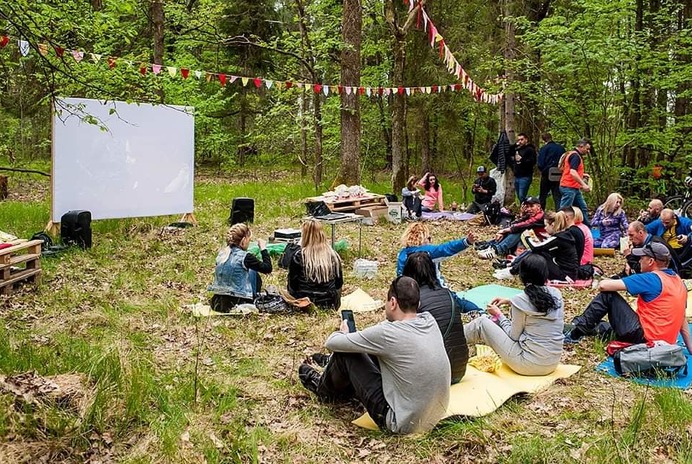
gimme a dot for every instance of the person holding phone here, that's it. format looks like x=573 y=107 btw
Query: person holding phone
x=397 y=369
x=236 y=276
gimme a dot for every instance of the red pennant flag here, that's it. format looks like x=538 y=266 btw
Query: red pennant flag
x=340 y=89
x=361 y=90
x=222 y=80
x=400 y=90
x=442 y=48
x=59 y=51
x=184 y=72
x=111 y=62
x=289 y=84
x=457 y=87
x=317 y=88
x=4 y=40
x=380 y=91
x=479 y=92
x=434 y=88
x=258 y=82
x=143 y=70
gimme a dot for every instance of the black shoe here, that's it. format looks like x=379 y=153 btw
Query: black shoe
x=320 y=359
x=481 y=245
x=500 y=263
x=309 y=377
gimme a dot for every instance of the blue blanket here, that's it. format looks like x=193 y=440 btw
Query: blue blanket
x=681 y=382
x=485 y=293
x=448 y=215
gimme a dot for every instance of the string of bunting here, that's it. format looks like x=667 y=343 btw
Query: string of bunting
x=258 y=82
x=447 y=56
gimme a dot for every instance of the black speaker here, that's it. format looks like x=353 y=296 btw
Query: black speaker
x=242 y=210
x=75 y=228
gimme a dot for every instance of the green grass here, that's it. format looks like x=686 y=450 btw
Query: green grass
x=155 y=375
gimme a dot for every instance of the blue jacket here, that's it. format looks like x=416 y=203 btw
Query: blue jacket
x=549 y=155
x=231 y=277
x=436 y=252
x=657 y=228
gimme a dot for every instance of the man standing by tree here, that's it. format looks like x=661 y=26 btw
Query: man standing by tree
x=572 y=181
x=523 y=161
x=548 y=158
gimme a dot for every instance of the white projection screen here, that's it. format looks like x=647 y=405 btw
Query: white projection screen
x=132 y=160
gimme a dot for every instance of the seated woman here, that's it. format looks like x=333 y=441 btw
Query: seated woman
x=417 y=238
x=611 y=222
x=559 y=251
x=587 y=256
x=433 y=193
x=236 y=278
x=411 y=198
x=444 y=306
x=315 y=270
x=531 y=342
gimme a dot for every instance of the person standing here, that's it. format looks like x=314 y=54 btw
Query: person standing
x=572 y=181
x=523 y=163
x=548 y=158
x=398 y=369
x=484 y=187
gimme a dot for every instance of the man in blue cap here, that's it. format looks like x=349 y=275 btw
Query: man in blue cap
x=484 y=187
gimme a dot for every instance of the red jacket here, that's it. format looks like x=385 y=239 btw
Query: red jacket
x=527 y=222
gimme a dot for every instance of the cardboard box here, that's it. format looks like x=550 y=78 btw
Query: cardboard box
x=372 y=211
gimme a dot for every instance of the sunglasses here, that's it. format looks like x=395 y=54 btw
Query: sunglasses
x=653 y=252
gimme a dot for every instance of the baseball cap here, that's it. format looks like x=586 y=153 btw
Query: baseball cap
x=653 y=250
x=532 y=200
x=480 y=169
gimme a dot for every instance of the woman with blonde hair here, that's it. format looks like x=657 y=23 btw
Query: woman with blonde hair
x=315 y=270
x=611 y=222
x=417 y=238
x=236 y=276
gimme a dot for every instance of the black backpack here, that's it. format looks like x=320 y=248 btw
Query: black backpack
x=492 y=213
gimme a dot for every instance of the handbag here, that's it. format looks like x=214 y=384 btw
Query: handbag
x=642 y=360
x=554 y=174
x=271 y=303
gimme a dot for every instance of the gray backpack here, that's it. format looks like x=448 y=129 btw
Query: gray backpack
x=641 y=360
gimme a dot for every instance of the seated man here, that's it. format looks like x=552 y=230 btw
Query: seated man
x=652 y=213
x=638 y=237
x=406 y=388
x=661 y=303
x=484 y=187
x=675 y=231
x=508 y=238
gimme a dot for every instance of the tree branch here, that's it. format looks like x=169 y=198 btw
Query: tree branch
x=243 y=41
x=33 y=171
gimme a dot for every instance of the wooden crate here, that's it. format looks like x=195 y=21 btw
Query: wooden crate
x=372 y=211
x=20 y=263
x=349 y=205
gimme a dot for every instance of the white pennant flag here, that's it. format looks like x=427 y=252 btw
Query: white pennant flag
x=368 y=91
x=408 y=90
x=24 y=47
x=171 y=70
x=268 y=83
x=348 y=90
x=95 y=57
x=198 y=74
x=77 y=55
x=325 y=90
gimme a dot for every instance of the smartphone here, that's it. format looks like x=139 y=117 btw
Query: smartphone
x=347 y=315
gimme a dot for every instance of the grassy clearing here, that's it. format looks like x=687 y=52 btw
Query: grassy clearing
x=162 y=386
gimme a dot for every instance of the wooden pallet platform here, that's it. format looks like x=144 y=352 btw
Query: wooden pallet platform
x=20 y=263
x=350 y=205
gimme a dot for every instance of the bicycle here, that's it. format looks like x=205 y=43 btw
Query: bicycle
x=681 y=204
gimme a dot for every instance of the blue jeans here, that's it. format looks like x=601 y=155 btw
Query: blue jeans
x=507 y=244
x=573 y=197
x=521 y=185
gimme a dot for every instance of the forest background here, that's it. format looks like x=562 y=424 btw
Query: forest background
x=617 y=72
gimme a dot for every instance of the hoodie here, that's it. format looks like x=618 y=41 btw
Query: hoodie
x=539 y=335
x=528 y=160
x=561 y=252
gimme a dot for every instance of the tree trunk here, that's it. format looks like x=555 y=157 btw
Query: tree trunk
x=302 y=108
x=351 y=26
x=424 y=139
x=96 y=5
x=157 y=22
x=509 y=104
x=319 y=167
x=398 y=118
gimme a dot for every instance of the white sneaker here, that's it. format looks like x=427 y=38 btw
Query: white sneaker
x=488 y=253
x=503 y=274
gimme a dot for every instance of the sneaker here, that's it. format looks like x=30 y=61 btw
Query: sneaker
x=320 y=359
x=309 y=377
x=481 y=245
x=488 y=253
x=569 y=340
x=503 y=274
x=500 y=263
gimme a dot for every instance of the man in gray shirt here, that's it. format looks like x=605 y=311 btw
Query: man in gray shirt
x=398 y=368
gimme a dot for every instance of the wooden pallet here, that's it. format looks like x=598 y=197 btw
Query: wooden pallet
x=349 y=205
x=20 y=263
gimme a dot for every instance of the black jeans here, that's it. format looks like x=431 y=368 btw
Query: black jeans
x=475 y=207
x=355 y=375
x=549 y=187
x=622 y=318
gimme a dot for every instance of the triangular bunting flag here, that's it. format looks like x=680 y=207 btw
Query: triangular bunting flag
x=408 y=90
x=222 y=80
x=233 y=79
x=340 y=89
x=368 y=91
x=4 y=40
x=143 y=70
x=111 y=62
x=257 y=81
x=325 y=90
x=156 y=68
x=317 y=88
x=198 y=74
x=348 y=89
x=24 y=47
x=299 y=85
x=172 y=70
x=244 y=80
x=43 y=49
x=184 y=72
x=77 y=55
x=59 y=51
x=95 y=57
x=268 y=83
x=289 y=84
x=361 y=90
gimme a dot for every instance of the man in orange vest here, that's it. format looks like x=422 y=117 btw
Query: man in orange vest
x=572 y=181
x=661 y=303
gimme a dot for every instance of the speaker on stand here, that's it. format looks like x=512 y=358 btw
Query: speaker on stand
x=75 y=228
x=242 y=210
